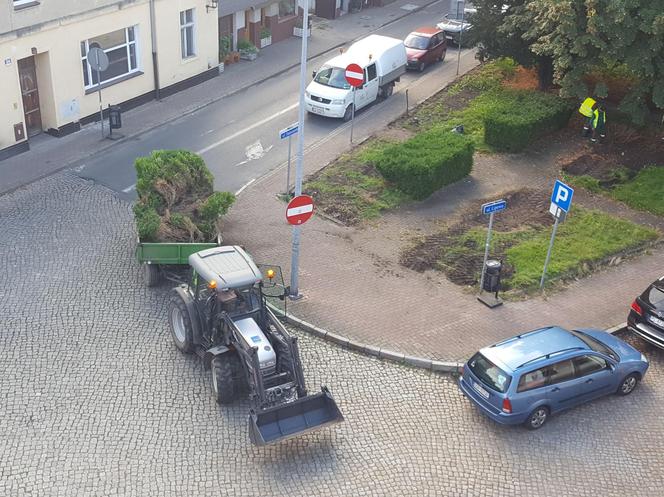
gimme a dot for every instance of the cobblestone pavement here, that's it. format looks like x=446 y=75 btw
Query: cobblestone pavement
x=96 y=401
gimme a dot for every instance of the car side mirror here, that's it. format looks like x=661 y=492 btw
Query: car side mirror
x=313 y=75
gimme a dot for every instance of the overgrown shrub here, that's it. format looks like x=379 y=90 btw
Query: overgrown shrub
x=176 y=202
x=424 y=163
x=523 y=116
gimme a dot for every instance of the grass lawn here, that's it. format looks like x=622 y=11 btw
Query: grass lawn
x=585 y=238
x=645 y=192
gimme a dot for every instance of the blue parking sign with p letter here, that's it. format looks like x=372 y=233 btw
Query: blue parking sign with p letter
x=562 y=195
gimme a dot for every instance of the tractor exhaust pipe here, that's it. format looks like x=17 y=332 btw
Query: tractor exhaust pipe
x=307 y=414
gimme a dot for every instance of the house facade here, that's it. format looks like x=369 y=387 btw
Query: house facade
x=153 y=47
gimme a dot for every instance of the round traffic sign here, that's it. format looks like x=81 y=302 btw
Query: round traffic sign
x=97 y=59
x=354 y=75
x=300 y=209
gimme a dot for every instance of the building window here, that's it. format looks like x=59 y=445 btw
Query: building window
x=19 y=4
x=120 y=46
x=187 y=33
x=286 y=8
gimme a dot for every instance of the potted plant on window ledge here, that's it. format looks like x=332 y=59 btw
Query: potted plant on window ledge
x=248 y=50
x=266 y=37
x=297 y=29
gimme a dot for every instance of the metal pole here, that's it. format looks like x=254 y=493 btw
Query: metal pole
x=406 y=101
x=352 y=116
x=295 y=259
x=101 y=110
x=548 y=254
x=288 y=169
x=460 y=35
x=486 y=250
x=110 y=128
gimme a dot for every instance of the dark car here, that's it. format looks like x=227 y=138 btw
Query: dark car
x=425 y=46
x=646 y=317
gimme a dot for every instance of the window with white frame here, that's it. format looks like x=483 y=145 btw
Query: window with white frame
x=25 y=3
x=120 y=46
x=187 y=33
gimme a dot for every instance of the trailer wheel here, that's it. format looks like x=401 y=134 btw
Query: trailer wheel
x=225 y=370
x=180 y=321
x=151 y=274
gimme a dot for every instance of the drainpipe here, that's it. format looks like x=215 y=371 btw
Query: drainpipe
x=153 y=37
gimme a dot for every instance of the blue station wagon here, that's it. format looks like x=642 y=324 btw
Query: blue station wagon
x=526 y=378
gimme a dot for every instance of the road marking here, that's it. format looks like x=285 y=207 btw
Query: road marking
x=129 y=188
x=246 y=185
x=248 y=128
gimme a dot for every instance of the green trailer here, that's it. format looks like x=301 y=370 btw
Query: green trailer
x=164 y=259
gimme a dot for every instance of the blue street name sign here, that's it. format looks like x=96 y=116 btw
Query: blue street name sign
x=562 y=195
x=289 y=131
x=495 y=206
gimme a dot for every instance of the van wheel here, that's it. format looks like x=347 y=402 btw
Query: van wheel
x=537 y=418
x=628 y=385
x=387 y=91
x=349 y=113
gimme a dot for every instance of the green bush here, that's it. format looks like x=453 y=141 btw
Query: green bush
x=147 y=222
x=424 y=163
x=522 y=116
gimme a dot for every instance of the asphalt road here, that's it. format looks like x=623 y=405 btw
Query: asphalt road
x=239 y=136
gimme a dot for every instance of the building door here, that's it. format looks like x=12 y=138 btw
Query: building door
x=27 y=73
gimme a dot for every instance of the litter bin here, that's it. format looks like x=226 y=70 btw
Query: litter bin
x=492 y=276
x=114 y=116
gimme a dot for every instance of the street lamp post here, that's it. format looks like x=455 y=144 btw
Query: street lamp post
x=460 y=32
x=299 y=162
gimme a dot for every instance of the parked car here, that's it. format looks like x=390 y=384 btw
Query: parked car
x=454 y=23
x=425 y=46
x=646 y=317
x=526 y=378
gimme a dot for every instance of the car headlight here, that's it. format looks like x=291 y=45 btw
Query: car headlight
x=307 y=94
x=337 y=102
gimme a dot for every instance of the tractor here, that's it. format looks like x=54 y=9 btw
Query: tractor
x=221 y=315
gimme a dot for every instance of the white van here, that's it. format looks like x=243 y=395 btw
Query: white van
x=383 y=60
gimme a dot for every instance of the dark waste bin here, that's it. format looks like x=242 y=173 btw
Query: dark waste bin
x=492 y=276
x=114 y=116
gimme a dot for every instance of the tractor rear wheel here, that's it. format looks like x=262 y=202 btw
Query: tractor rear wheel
x=180 y=321
x=225 y=371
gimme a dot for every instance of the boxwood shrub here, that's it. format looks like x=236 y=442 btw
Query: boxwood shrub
x=426 y=162
x=522 y=116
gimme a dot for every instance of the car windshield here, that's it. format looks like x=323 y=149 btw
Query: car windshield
x=595 y=344
x=416 y=41
x=490 y=374
x=332 y=76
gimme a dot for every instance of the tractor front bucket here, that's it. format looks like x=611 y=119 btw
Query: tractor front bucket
x=304 y=415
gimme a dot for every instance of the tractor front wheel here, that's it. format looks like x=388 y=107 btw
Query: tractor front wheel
x=180 y=321
x=224 y=373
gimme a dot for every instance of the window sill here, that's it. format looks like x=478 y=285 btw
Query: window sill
x=188 y=60
x=122 y=79
x=26 y=5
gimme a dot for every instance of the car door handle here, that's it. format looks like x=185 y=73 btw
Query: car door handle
x=590 y=380
x=555 y=389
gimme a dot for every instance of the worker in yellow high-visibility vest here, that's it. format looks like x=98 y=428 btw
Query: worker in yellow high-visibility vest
x=599 y=124
x=587 y=110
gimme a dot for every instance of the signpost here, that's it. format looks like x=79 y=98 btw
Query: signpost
x=490 y=209
x=355 y=77
x=561 y=202
x=299 y=210
x=98 y=61
x=288 y=133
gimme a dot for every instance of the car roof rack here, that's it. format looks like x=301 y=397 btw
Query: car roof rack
x=522 y=335
x=547 y=356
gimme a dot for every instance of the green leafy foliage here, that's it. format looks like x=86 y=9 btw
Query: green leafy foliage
x=244 y=45
x=645 y=192
x=175 y=198
x=424 y=163
x=521 y=116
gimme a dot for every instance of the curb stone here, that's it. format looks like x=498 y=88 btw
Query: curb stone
x=452 y=368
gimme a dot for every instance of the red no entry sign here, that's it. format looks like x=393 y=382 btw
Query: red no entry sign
x=300 y=209
x=354 y=75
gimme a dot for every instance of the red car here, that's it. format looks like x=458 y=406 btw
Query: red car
x=425 y=46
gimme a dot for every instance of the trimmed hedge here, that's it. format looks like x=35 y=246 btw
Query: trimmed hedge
x=426 y=162
x=523 y=116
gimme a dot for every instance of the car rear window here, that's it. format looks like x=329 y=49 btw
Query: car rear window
x=656 y=297
x=490 y=374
